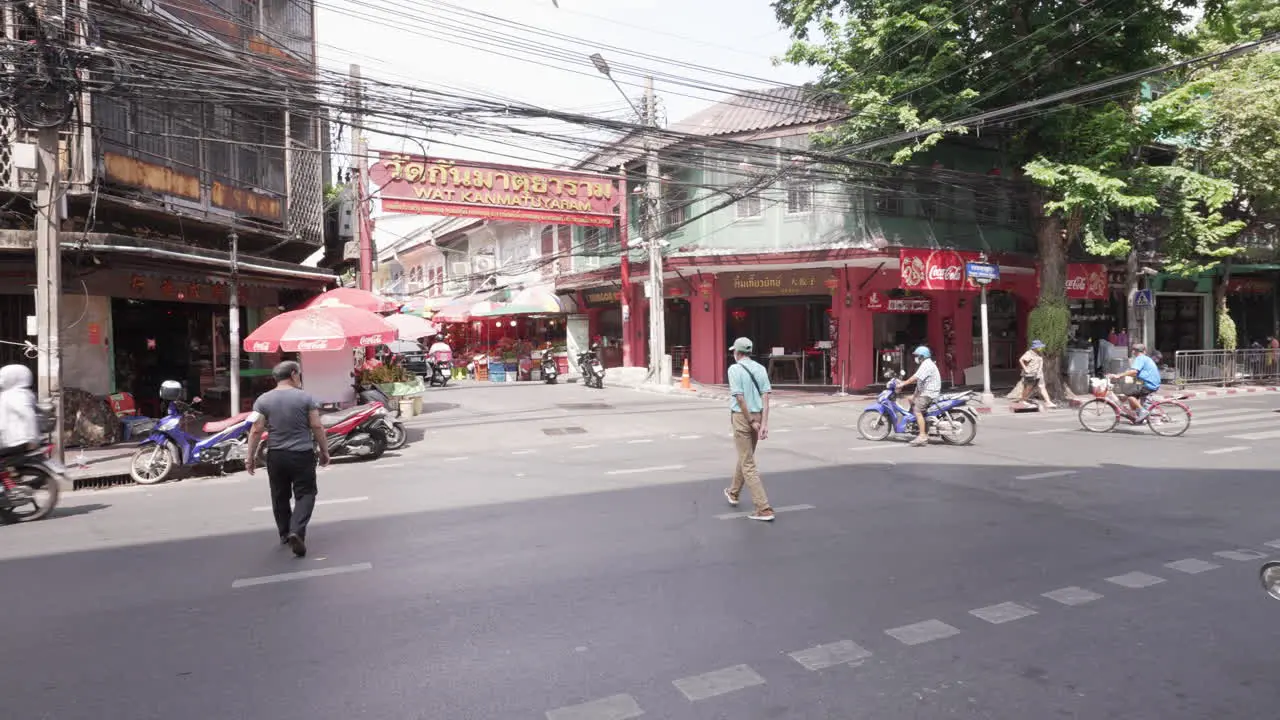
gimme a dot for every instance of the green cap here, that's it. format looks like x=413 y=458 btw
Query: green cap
x=742 y=345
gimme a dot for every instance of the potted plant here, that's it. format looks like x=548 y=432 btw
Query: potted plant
x=397 y=382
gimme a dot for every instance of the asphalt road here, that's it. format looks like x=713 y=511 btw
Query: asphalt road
x=493 y=570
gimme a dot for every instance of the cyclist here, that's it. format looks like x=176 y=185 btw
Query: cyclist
x=1148 y=375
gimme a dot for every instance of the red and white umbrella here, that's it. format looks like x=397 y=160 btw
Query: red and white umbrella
x=331 y=327
x=356 y=298
x=411 y=327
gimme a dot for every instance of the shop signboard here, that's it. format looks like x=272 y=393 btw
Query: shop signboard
x=981 y=273
x=601 y=297
x=454 y=188
x=935 y=269
x=1087 y=281
x=1248 y=286
x=775 y=283
x=880 y=302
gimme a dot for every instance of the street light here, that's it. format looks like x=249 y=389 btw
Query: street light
x=603 y=67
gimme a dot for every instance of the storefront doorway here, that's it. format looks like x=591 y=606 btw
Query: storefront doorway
x=1002 y=321
x=791 y=335
x=1180 y=323
x=896 y=335
x=158 y=341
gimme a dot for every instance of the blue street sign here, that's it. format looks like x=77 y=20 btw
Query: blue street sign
x=982 y=273
x=1143 y=299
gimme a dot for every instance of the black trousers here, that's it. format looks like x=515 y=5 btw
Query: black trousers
x=292 y=474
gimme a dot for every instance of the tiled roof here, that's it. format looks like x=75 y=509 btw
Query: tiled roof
x=767 y=109
x=749 y=111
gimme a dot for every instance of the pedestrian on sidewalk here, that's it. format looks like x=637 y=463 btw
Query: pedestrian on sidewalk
x=1032 y=362
x=928 y=386
x=294 y=438
x=749 y=390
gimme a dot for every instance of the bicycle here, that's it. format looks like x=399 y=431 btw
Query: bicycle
x=1102 y=413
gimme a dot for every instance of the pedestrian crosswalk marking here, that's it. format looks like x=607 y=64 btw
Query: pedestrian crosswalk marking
x=1258 y=436
x=1241 y=555
x=333 y=501
x=1073 y=595
x=1045 y=475
x=922 y=632
x=614 y=707
x=301 y=575
x=1135 y=580
x=1002 y=613
x=1225 y=450
x=830 y=655
x=1192 y=566
x=784 y=508
x=718 y=682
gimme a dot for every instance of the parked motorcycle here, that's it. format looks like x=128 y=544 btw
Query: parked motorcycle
x=170 y=446
x=1270 y=577
x=29 y=480
x=358 y=432
x=949 y=417
x=550 y=370
x=393 y=429
x=591 y=368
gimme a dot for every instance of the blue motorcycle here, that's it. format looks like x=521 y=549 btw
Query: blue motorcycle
x=949 y=417
x=170 y=446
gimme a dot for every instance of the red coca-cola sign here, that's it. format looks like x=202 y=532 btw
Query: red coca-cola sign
x=935 y=270
x=1087 y=281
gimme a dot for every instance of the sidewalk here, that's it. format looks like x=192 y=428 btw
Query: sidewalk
x=99 y=467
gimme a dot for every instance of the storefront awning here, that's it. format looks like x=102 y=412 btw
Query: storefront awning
x=533 y=301
x=465 y=308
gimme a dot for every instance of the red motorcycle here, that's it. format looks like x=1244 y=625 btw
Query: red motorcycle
x=360 y=431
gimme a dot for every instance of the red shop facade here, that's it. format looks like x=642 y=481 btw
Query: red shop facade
x=854 y=318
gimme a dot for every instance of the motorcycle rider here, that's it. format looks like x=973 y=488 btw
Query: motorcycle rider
x=441 y=355
x=19 y=428
x=930 y=385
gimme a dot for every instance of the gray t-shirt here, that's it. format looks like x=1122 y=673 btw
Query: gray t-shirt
x=287 y=412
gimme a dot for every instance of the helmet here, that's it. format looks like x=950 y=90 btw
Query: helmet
x=1037 y=345
x=923 y=352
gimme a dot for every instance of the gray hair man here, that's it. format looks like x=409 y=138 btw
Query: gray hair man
x=749 y=412
x=295 y=436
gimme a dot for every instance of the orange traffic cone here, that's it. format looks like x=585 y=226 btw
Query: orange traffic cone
x=685 y=383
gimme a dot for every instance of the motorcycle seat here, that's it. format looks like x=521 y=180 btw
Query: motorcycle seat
x=218 y=426
x=950 y=396
x=334 y=418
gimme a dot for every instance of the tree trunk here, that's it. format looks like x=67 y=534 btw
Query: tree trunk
x=1053 y=281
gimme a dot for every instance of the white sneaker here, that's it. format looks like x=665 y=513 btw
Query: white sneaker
x=728 y=495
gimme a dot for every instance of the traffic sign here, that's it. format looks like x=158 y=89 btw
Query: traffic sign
x=982 y=273
x=1143 y=299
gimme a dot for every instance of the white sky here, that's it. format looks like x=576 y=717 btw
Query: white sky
x=411 y=46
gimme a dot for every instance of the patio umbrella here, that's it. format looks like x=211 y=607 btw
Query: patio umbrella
x=463 y=309
x=401 y=347
x=530 y=301
x=329 y=327
x=356 y=298
x=411 y=327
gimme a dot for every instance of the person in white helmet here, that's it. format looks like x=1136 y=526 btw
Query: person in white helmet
x=928 y=383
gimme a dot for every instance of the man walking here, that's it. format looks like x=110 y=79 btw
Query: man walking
x=749 y=411
x=294 y=433
x=930 y=385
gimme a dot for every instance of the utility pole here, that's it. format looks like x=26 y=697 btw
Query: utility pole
x=49 y=279
x=653 y=213
x=363 y=229
x=233 y=372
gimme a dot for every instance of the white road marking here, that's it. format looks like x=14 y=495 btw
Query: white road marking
x=1258 y=436
x=830 y=655
x=458 y=458
x=878 y=445
x=523 y=452
x=820 y=428
x=584 y=447
x=1135 y=580
x=1051 y=431
x=922 y=632
x=1240 y=555
x=633 y=471
x=690 y=437
x=1002 y=613
x=334 y=501
x=1192 y=566
x=1214 y=422
x=301 y=575
x=1225 y=450
x=639 y=442
x=718 y=682
x=1273 y=544
x=383 y=466
x=614 y=707
x=784 y=508
x=1044 y=475
x=779 y=430
x=1073 y=595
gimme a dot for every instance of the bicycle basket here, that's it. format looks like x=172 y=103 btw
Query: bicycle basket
x=1100 y=387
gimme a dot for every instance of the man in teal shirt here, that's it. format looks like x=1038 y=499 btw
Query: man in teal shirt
x=749 y=410
x=1148 y=374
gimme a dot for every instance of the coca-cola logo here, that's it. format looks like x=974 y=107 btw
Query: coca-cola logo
x=1076 y=283
x=951 y=273
x=369 y=340
x=261 y=346
x=313 y=345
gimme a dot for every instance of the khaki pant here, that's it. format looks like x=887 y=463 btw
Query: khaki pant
x=744 y=440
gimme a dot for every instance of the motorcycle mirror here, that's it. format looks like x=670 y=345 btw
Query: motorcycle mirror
x=1270 y=577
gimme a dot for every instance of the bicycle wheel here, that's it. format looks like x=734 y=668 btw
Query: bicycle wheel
x=1099 y=416
x=1169 y=418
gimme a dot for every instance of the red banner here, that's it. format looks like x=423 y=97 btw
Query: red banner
x=1252 y=286
x=935 y=270
x=1087 y=281
x=415 y=184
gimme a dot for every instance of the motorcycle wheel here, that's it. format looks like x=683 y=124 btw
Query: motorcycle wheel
x=379 y=441
x=397 y=438
x=874 y=425
x=153 y=464
x=34 y=480
x=963 y=434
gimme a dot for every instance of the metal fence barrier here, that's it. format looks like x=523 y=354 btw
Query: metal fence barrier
x=1226 y=367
